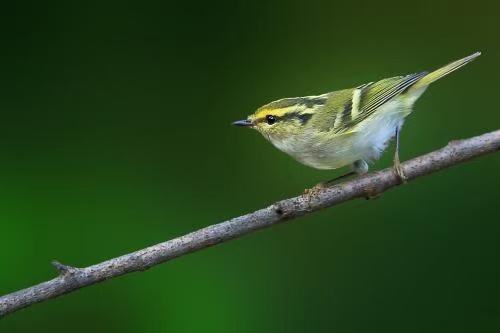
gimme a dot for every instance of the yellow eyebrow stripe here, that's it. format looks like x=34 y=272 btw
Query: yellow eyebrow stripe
x=283 y=106
x=263 y=112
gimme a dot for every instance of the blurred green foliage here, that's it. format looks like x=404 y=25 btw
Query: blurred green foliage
x=115 y=135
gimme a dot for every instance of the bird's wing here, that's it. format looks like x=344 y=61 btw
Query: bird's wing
x=334 y=113
x=366 y=99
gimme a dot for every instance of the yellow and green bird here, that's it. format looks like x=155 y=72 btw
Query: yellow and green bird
x=346 y=127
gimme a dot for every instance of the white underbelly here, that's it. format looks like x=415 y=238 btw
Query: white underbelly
x=374 y=134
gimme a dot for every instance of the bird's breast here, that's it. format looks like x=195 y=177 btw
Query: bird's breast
x=320 y=151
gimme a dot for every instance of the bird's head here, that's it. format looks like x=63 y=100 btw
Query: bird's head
x=284 y=118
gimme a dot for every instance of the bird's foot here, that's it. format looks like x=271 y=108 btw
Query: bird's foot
x=399 y=172
x=315 y=188
x=310 y=192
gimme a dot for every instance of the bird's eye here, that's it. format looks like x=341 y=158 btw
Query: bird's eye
x=270 y=119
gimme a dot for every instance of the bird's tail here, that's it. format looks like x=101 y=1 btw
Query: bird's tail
x=439 y=73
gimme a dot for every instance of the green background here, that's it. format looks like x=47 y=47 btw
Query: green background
x=115 y=135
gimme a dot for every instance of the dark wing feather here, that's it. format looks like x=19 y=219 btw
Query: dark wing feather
x=377 y=94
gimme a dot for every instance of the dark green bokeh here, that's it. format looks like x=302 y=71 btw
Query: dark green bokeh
x=115 y=135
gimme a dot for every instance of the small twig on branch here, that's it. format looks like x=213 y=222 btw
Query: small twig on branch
x=71 y=279
x=63 y=269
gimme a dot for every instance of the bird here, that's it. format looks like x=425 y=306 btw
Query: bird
x=349 y=127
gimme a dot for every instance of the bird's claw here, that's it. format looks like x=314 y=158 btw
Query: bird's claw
x=315 y=188
x=399 y=172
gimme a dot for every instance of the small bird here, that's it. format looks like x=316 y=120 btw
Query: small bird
x=345 y=127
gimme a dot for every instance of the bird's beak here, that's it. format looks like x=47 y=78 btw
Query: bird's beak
x=245 y=122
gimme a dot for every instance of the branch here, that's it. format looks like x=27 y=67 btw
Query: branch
x=72 y=278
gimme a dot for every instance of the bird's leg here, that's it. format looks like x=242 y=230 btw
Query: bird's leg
x=336 y=179
x=319 y=186
x=398 y=169
x=358 y=168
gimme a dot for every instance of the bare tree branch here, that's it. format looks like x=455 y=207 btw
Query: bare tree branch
x=72 y=278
